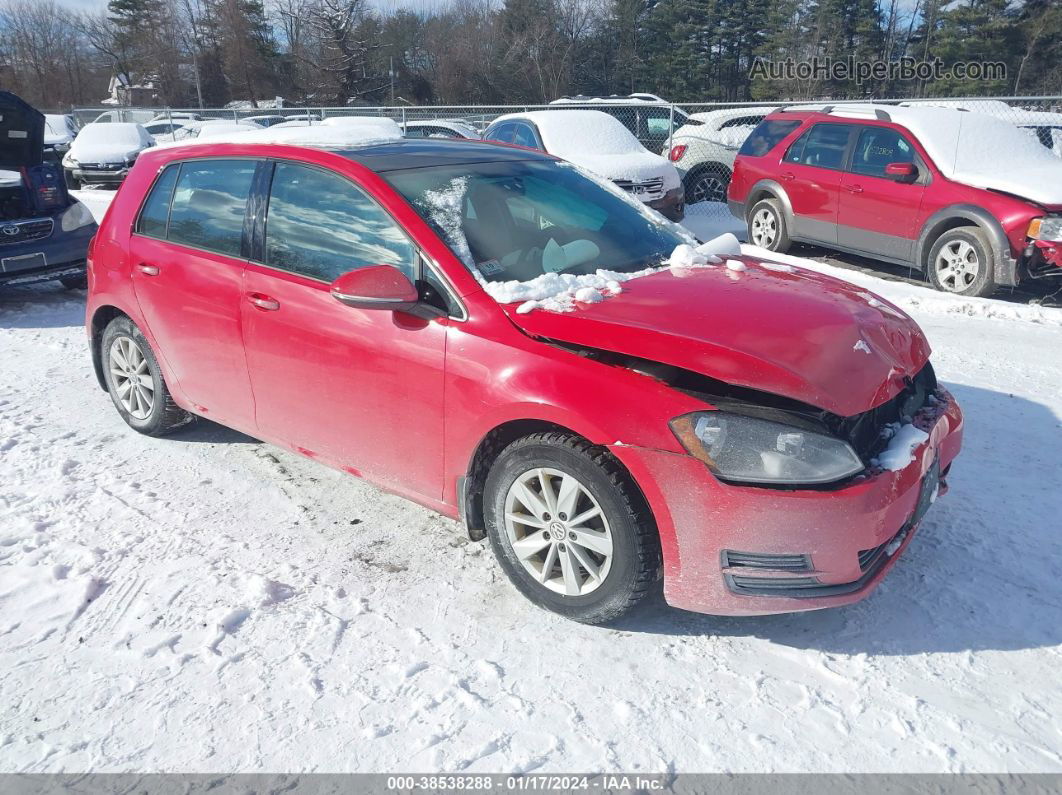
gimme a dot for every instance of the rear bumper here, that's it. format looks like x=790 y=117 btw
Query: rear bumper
x=64 y=255
x=848 y=538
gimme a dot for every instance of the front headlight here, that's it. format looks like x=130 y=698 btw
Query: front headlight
x=76 y=216
x=750 y=450
x=70 y=162
x=1047 y=228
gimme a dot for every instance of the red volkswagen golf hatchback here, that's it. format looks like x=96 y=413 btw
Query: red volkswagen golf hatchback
x=762 y=439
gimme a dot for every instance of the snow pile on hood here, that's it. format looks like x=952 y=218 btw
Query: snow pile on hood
x=353 y=131
x=978 y=149
x=109 y=142
x=600 y=143
x=560 y=292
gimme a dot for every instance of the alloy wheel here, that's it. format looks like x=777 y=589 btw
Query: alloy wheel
x=764 y=228
x=558 y=532
x=132 y=380
x=958 y=266
x=708 y=188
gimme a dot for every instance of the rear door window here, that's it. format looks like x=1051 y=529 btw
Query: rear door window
x=156 y=212
x=767 y=135
x=824 y=146
x=525 y=136
x=321 y=225
x=209 y=204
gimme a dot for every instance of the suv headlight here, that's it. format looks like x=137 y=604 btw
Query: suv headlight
x=70 y=162
x=1047 y=228
x=750 y=450
x=75 y=217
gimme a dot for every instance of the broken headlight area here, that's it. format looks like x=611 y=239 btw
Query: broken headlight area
x=745 y=449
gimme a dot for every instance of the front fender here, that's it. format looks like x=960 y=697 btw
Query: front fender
x=1006 y=267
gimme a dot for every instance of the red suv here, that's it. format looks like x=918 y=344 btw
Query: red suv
x=764 y=440
x=969 y=199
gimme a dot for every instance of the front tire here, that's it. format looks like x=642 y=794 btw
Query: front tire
x=135 y=383
x=570 y=529
x=766 y=226
x=962 y=262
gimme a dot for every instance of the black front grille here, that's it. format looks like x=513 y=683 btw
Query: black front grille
x=758 y=560
x=25 y=231
x=770 y=585
x=102 y=166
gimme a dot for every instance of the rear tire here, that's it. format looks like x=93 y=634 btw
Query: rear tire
x=708 y=183
x=135 y=383
x=961 y=262
x=592 y=570
x=766 y=226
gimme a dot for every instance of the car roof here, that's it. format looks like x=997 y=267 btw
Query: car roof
x=399 y=154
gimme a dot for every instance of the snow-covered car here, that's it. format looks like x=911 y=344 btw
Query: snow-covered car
x=440 y=128
x=646 y=115
x=703 y=150
x=177 y=115
x=599 y=143
x=44 y=231
x=102 y=154
x=220 y=127
x=967 y=198
x=124 y=117
x=59 y=132
x=166 y=131
x=267 y=120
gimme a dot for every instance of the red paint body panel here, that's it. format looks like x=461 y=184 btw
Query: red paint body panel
x=405 y=402
x=785 y=333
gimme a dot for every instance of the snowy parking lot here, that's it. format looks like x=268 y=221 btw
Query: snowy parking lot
x=205 y=602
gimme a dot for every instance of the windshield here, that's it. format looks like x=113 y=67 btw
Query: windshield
x=519 y=220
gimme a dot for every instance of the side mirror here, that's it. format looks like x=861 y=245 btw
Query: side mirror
x=381 y=287
x=902 y=172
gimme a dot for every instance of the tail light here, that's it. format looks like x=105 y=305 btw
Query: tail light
x=676 y=153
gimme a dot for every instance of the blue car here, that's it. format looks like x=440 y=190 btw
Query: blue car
x=44 y=231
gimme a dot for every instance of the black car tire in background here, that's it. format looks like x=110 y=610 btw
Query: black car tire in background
x=707 y=183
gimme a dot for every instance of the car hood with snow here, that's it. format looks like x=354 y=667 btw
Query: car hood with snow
x=599 y=143
x=113 y=142
x=21 y=133
x=789 y=332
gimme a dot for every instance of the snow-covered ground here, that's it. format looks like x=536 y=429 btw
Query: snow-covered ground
x=205 y=602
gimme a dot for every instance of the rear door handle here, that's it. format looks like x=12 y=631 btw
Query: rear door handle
x=788 y=176
x=854 y=188
x=148 y=270
x=264 y=302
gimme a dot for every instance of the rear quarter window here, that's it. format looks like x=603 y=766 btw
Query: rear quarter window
x=156 y=211
x=767 y=135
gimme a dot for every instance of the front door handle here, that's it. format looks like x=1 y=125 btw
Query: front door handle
x=148 y=270
x=264 y=302
x=788 y=176
x=854 y=188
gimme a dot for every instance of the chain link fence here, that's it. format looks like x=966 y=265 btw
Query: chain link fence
x=700 y=139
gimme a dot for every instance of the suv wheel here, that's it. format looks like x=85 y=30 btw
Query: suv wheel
x=708 y=184
x=767 y=226
x=570 y=528
x=961 y=262
x=135 y=381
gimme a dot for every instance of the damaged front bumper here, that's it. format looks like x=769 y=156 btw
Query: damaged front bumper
x=744 y=550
